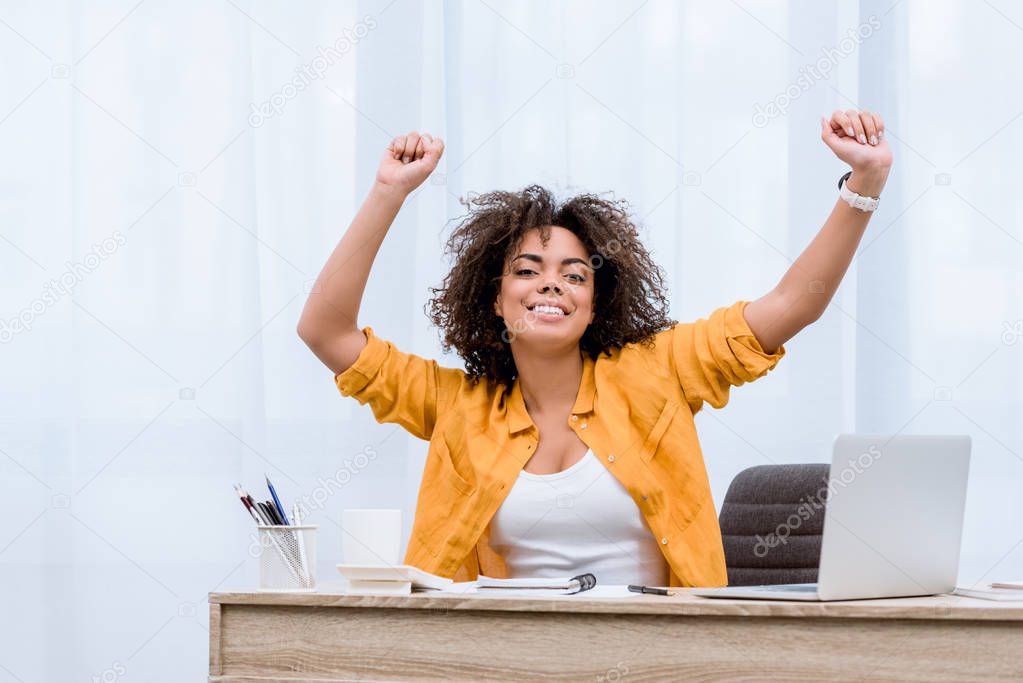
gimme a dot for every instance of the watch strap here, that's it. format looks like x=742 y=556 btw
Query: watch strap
x=854 y=200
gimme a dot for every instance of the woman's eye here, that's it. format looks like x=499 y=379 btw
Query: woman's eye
x=525 y=271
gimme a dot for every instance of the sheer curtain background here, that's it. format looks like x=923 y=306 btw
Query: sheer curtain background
x=161 y=228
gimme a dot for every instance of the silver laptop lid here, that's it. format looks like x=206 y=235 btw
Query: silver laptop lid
x=894 y=518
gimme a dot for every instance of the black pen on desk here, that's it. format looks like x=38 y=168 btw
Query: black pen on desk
x=651 y=591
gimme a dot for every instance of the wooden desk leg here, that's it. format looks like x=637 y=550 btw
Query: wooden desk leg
x=215 y=667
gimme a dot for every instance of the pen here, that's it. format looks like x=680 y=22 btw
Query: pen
x=252 y=506
x=247 y=503
x=277 y=515
x=277 y=501
x=296 y=517
x=651 y=591
x=270 y=513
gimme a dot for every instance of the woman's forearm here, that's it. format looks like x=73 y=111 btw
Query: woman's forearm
x=806 y=289
x=329 y=322
x=332 y=309
x=812 y=280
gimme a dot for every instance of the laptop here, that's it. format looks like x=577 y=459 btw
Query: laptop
x=893 y=521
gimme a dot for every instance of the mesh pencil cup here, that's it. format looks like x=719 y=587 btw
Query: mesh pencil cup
x=287 y=558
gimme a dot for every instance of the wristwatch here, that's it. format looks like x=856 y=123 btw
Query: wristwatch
x=854 y=200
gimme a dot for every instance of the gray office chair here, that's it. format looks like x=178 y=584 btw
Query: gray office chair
x=771 y=522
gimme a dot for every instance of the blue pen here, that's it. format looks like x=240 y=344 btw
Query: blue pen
x=277 y=501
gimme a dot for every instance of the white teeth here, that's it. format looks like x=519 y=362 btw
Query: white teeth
x=540 y=308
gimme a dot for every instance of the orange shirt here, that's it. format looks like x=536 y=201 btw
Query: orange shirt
x=634 y=409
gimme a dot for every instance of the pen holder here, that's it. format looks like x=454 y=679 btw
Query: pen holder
x=287 y=558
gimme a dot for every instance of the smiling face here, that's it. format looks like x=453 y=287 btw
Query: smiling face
x=546 y=292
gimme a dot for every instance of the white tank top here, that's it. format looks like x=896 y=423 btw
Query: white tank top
x=579 y=520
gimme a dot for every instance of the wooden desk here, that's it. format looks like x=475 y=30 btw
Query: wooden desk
x=333 y=637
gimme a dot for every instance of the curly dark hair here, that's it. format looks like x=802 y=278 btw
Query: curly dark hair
x=629 y=301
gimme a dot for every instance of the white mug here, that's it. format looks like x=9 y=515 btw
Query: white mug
x=371 y=537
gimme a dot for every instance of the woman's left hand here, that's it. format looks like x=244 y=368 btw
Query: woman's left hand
x=858 y=139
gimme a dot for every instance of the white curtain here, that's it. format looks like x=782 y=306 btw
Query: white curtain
x=175 y=175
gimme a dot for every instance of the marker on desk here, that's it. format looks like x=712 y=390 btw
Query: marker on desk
x=651 y=591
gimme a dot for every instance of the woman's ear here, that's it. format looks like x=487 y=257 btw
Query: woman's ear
x=497 y=306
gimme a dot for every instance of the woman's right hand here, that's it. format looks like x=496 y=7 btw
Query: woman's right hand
x=408 y=161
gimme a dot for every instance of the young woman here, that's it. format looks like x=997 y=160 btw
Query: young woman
x=568 y=442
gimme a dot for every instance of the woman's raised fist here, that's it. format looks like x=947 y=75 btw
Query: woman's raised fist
x=409 y=160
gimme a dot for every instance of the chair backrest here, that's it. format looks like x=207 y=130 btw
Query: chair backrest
x=771 y=523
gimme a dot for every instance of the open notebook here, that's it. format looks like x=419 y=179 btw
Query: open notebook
x=556 y=586
x=403 y=579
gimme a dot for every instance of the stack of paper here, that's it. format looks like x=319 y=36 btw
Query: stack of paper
x=997 y=590
x=385 y=579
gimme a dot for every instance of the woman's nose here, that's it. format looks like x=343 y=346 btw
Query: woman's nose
x=548 y=286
